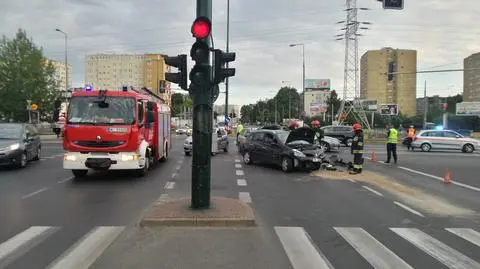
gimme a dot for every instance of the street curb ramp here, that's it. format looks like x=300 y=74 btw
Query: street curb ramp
x=223 y=212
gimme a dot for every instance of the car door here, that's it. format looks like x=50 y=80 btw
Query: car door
x=269 y=148
x=255 y=145
x=29 y=136
x=453 y=140
x=222 y=139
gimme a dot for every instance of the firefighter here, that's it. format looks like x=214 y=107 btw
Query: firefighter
x=392 y=141
x=293 y=125
x=410 y=135
x=318 y=132
x=357 y=149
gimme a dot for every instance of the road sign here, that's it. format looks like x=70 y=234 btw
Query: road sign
x=34 y=107
x=389 y=110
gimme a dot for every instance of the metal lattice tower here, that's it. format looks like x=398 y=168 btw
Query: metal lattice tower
x=351 y=85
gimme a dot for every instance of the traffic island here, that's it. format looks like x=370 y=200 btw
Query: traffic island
x=223 y=212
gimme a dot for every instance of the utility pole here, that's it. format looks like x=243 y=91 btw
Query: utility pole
x=227 y=50
x=426 y=105
x=66 y=63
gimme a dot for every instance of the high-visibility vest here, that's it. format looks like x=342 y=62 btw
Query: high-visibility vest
x=411 y=132
x=393 y=137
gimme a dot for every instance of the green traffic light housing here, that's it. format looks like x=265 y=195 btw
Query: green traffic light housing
x=220 y=60
x=200 y=52
x=200 y=76
x=179 y=62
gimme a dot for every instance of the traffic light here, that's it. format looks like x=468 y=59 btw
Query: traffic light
x=220 y=60
x=200 y=75
x=179 y=62
x=393 y=4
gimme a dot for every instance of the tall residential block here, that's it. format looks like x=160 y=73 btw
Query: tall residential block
x=471 y=78
x=112 y=71
x=399 y=89
x=61 y=74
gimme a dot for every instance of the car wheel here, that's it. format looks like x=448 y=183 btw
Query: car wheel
x=23 y=160
x=187 y=153
x=38 y=155
x=247 y=159
x=79 y=173
x=287 y=164
x=468 y=148
x=325 y=146
x=143 y=171
x=426 y=147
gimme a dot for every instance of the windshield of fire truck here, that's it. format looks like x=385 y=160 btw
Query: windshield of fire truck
x=86 y=110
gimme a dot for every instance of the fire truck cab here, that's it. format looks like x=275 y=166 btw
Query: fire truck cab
x=115 y=130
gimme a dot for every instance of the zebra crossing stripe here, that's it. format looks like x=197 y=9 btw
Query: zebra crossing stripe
x=84 y=253
x=438 y=250
x=470 y=235
x=300 y=250
x=378 y=255
x=23 y=242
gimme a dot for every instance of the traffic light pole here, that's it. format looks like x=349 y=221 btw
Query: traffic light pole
x=202 y=131
x=227 y=50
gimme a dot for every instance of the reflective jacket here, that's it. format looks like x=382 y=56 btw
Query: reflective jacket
x=357 y=143
x=411 y=132
x=392 y=136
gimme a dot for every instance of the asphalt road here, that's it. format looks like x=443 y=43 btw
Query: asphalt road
x=44 y=212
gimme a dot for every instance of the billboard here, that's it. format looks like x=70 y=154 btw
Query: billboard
x=389 y=109
x=317 y=108
x=468 y=109
x=315 y=84
x=370 y=105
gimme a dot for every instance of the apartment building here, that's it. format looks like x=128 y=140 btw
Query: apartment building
x=471 y=78
x=112 y=71
x=61 y=74
x=399 y=89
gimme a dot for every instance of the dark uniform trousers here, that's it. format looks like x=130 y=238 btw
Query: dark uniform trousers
x=357 y=151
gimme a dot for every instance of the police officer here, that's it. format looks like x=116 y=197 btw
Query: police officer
x=392 y=141
x=357 y=149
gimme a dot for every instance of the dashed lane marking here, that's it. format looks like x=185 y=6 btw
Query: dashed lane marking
x=237 y=160
x=409 y=209
x=239 y=173
x=174 y=175
x=468 y=234
x=178 y=167
x=34 y=193
x=169 y=185
x=64 y=180
x=245 y=197
x=351 y=180
x=372 y=190
x=241 y=182
x=237 y=165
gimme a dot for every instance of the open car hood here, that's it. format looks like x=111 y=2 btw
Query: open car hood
x=302 y=133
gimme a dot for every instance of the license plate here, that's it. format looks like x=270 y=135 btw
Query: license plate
x=316 y=160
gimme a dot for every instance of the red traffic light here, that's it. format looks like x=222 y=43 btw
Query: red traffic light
x=201 y=27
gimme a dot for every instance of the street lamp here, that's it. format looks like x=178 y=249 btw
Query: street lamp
x=303 y=71
x=66 y=63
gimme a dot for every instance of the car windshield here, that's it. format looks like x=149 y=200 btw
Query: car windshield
x=10 y=131
x=86 y=110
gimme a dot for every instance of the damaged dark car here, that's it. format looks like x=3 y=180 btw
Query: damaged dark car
x=289 y=150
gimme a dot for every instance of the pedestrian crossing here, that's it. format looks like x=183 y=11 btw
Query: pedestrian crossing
x=303 y=253
x=81 y=255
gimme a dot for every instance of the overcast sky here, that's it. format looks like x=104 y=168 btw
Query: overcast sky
x=442 y=31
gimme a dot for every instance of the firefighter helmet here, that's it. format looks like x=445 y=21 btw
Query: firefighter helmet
x=315 y=123
x=357 y=126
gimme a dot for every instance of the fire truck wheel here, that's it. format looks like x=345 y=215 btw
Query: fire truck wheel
x=165 y=156
x=142 y=172
x=79 y=173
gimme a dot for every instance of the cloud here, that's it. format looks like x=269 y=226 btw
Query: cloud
x=443 y=32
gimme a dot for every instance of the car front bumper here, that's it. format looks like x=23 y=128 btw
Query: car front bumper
x=103 y=161
x=10 y=157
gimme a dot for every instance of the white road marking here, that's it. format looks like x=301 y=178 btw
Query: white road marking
x=301 y=251
x=409 y=209
x=84 y=253
x=241 y=182
x=178 y=167
x=58 y=155
x=351 y=180
x=49 y=157
x=438 y=250
x=180 y=161
x=378 y=255
x=440 y=178
x=237 y=160
x=34 y=193
x=372 y=190
x=169 y=185
x=64 y=180
x=245 y=197
x=22 y=242
x=174 y=175
x=237 y=165
x=470 y=235
x=239 y=173
x=163 y=198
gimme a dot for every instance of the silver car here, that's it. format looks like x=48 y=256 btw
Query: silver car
x=222 y=142
x=329 y=143
x=427 y=140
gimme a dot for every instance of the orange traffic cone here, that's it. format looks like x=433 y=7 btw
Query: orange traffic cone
x=374 y=157
x=447 y=178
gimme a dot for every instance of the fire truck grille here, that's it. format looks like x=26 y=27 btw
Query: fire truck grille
x=99 y=144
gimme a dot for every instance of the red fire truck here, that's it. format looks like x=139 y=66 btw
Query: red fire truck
x=115 y=130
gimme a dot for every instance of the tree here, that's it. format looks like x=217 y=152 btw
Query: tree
x=177 y=104
x=333 y=101
x=288 y=98
x=25 y=75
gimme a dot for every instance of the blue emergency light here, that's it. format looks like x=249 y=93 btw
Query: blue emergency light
x=88 y=88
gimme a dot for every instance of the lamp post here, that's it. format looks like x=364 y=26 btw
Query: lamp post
x=66 y=63
x=303 y=71
x=227 y=50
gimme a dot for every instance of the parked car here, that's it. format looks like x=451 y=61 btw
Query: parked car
x=427 y=140
x=222 y=142
x=290 y=150
x=342 y=132
x=19 y=144
x=181 y=131
x=330 y=143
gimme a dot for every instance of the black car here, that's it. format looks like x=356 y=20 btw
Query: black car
x=342 y=132
x=290 y=150
x=19 y=143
